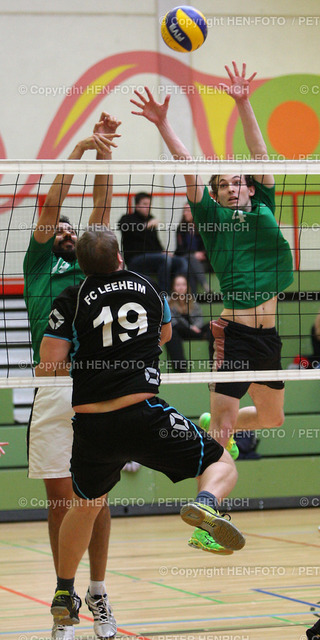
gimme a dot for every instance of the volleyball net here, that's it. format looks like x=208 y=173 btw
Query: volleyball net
x=23 y=191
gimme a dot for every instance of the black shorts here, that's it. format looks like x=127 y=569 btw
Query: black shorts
x=150 y=432
x=238 y=347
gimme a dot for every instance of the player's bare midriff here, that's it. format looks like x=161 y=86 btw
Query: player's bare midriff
x=263 y=316
x=98 y=407
x=112 y=405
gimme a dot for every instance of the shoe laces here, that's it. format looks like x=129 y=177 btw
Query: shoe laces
x=103 y=608
x=225 y=515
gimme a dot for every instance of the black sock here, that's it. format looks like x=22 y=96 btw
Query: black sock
x=65 y=584
x=208 y=499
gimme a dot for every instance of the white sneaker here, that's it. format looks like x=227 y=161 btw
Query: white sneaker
x=61 y=632
x=105 y=625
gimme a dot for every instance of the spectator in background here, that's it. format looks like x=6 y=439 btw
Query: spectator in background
x=190 y=245
x=187 y=323
x=142 y=248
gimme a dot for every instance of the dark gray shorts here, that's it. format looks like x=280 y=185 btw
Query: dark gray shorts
x=151 y=432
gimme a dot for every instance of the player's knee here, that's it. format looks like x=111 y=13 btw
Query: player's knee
x=271 y=420
x=226 y=429
x=278 y=419
x=232 y=469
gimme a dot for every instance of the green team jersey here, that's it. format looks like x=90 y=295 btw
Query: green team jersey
x=45 y=277
x=250 y=256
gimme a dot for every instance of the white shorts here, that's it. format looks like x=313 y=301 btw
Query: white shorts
x=50 y=433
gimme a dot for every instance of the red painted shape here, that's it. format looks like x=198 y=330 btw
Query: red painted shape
x=143 y=62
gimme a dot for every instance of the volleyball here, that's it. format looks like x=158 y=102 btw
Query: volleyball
x=204 y=421
x=184 y=29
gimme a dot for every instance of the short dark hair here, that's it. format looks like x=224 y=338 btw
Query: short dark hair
x=214 y=183
x=64 y=219
x=139 y=196
x=97 y=251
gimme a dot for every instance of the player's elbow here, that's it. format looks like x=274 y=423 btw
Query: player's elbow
x=53 y=357
x=259 y=152
x=166 y=333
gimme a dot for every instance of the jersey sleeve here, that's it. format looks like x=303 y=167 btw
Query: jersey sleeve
x=62 y=315
x=166 y=312
x=204 y=211
x=37 y=255
x=264 y=195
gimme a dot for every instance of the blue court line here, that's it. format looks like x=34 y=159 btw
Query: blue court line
x=277 y=595
x=299 y=586
x=228 y=619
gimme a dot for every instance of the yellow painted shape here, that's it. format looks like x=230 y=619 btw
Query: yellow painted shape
x=89 y=93
x=218 y=107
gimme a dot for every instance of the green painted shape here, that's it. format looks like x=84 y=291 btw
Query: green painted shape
x=20 y=492
x=269 y=96
x=6 y=404
x=272 y=477
x=298 y=435
x=300 y=397
x=16 y=452
x=189 y=401
x=295 y=318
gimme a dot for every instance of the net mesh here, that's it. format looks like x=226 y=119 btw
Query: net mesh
x=23 y=191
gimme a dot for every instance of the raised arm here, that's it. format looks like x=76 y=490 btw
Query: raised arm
x=59 y=189
x=103 y=184
x=157 y=113
x=239 y=90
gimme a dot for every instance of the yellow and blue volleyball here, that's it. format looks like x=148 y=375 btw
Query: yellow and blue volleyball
x=184 y=29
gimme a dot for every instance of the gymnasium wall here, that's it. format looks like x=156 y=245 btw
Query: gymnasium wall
x=56 y=48
x=65 y=62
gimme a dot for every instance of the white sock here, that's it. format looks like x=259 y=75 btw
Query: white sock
x=97 y=588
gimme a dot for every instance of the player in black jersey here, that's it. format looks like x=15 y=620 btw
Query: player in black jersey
x=112 y=327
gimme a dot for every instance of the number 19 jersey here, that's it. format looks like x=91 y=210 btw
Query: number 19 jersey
x=113 y=322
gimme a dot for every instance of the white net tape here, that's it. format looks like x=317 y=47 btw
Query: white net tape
x=156 y=167
x=176 y=378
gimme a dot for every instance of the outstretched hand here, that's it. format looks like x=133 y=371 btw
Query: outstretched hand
x=154 y=111
x=106 y=124
x=239 y=89
x=101 y=142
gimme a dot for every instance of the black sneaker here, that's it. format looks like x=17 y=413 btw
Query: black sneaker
x=314 y=632
x=65 y=607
